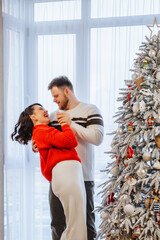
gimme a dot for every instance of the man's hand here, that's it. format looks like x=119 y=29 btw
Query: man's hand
x=63 y=118
x=34 y=146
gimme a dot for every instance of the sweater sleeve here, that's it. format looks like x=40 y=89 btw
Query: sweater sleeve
x=51 y=137
x=93 y=132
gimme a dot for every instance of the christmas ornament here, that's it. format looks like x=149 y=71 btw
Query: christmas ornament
x=136 y=108
x=158 y=218
x=130 y=152
x=156 y=206
x=105 y=216
x=134 y=76
x=141 y=172
x=146 y=156
x=157 y=116
x=128 y=96
x=119 y=131
x=138 y=82
x=115 y=170
x=150 y=121
x=157 y=164
x=130 y=127
x=125 y=162
x=152 y=53
x=118 y=159
x=158 y=76
x=142 y=106
x=148 y=202
x=145 y=62
x=129 y=209
x=110 y=198
x=140 y=57
x=154 y=28
x=136 y=232
x=157 y=140
x=131 y=181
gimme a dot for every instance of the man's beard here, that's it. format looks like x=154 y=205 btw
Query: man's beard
x=64 y=104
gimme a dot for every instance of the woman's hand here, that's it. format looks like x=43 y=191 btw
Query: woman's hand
x=63 y=118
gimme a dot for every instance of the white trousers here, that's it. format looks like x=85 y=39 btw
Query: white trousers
x=68 y=186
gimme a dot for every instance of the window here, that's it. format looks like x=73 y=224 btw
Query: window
x=56 y=56
x=60 y=10
x=120 y=8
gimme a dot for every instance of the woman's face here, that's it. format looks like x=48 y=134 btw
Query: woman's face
x=40 y=116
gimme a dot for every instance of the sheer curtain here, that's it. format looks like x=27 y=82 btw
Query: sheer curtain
x=93 y=42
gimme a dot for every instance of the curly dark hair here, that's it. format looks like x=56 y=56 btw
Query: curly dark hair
x=24 y=127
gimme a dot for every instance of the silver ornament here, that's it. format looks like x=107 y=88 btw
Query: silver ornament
x=157 y=164
x=134 y=76
x=146 y=156
x=142 y=106
x=115 y=170
x=157 y=118
x=129 y=209
x=158 y=76
x=141 y=172
x=136 y=108
x=105 y=216
x=152 y=53
x=119 y=131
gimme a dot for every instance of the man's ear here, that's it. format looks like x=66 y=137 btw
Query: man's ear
x=67 y=91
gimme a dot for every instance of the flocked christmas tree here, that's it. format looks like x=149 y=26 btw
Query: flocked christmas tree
x=130 y=197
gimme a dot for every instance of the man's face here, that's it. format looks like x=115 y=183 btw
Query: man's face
x=60 y=97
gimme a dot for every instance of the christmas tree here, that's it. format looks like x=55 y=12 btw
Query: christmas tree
x=130 y=206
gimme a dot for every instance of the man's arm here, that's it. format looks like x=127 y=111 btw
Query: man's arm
x=34 y=146
x=92 y=134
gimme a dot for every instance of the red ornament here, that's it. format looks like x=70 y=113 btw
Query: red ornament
x=130 y=152
x=110 y=198
x=150 y=121
x=128 y=96
x=118 y=159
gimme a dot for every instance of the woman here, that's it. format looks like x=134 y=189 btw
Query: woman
x=60 y=164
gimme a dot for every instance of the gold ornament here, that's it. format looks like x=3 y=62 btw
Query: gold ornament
x=148 y=202
x=157 y=140
x=138 y=82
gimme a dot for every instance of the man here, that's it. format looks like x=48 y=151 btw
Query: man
x=87 y=123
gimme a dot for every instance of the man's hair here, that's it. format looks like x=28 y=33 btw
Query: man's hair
x=61 y=81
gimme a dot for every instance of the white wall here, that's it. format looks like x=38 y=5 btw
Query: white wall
x=1 y=133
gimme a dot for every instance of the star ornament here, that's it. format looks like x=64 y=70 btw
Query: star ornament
x=154 y=29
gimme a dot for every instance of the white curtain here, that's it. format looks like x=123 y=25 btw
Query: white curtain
x=94 y=43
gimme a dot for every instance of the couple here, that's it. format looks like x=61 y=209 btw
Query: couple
x=60 y=163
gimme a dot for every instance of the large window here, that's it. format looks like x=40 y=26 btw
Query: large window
x=93 y=42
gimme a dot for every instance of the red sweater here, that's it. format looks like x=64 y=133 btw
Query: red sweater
x=54 y=146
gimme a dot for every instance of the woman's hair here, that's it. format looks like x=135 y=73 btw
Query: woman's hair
x=24 y=127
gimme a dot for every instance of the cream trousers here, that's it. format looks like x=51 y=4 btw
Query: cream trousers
x=68 y=186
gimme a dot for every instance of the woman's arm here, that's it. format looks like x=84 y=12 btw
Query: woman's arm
x=52 y=137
